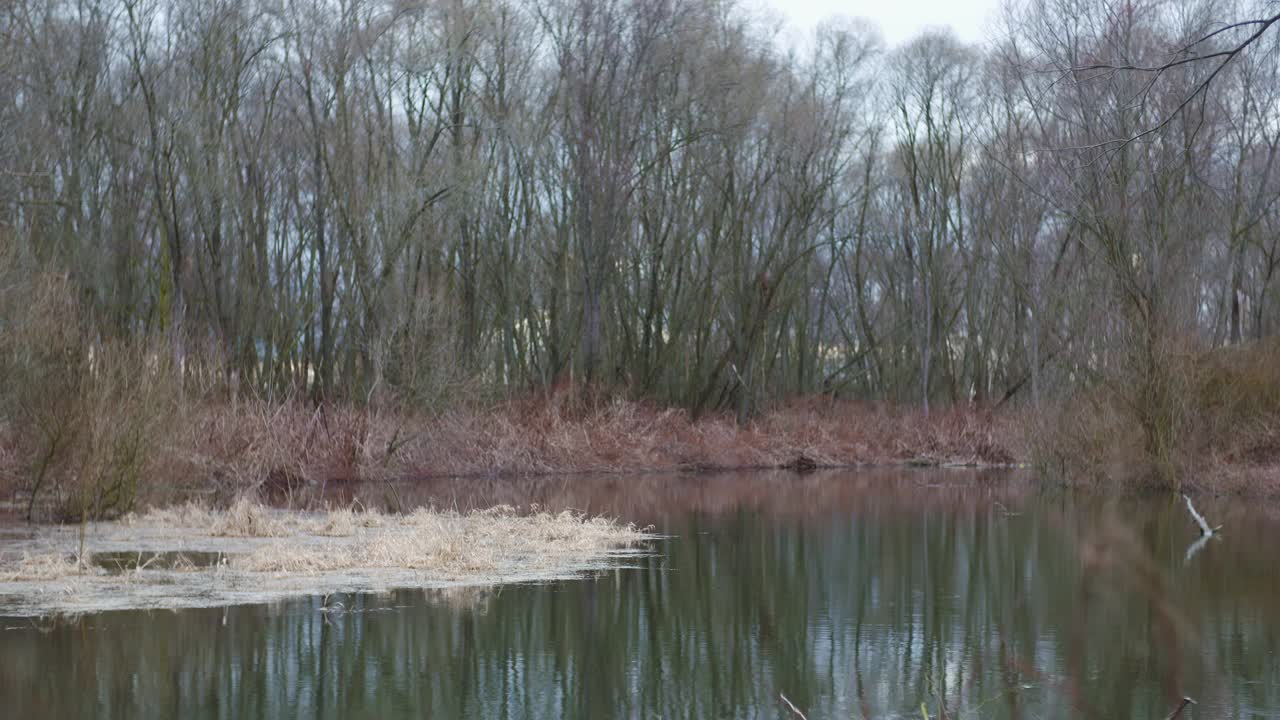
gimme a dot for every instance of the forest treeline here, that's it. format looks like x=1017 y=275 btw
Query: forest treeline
x=348 y=200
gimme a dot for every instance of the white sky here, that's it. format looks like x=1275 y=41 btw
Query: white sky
x=898 y=20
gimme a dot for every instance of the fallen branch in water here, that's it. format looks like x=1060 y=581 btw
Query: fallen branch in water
x=1186 y=700
x=794 y=709
x=1205 y=530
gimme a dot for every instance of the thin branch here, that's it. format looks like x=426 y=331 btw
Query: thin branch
x=1178 y=711
x=1264 y=22
x=1226 y=55
x=794 y=709
x=1205 y=529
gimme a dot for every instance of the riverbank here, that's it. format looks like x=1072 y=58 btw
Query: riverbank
x=192 y=556
x=219 y=451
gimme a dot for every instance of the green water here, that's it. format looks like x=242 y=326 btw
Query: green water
x=855 y=595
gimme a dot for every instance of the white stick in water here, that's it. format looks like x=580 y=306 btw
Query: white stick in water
x=794 y=709
x=1205 y=530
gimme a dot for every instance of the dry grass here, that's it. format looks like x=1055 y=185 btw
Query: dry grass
x=249 y=518
x=347 y=521
x=265 y=554
x=246 y=518
x=44 y=566
x=451 y=544
x=425 y=539
x=187 y=515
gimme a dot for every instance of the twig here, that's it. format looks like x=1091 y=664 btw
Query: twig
x=1205 y=530
x=794 y=709
x=1227 y=56
x=334 y=607
x=1178 y=711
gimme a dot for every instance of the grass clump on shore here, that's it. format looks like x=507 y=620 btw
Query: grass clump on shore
x=448 y=543
x=48 y=566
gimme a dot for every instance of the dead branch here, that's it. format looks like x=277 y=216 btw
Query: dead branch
x=1178 y=711
x=1205 y=529
x=794 y=709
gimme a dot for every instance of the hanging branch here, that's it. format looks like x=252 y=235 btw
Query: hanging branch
x=1184 y=56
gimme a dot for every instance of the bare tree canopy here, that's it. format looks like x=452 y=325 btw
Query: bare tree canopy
x=362 y=198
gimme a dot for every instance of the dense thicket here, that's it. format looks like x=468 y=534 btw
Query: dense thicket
x=346 y=198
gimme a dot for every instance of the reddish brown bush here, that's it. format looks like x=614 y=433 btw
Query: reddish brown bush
x=229 y=448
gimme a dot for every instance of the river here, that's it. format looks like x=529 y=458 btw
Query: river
x=872 y=593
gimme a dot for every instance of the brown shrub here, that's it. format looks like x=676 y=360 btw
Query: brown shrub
x=82 y=413
x=282 y=450
x=1209 y=421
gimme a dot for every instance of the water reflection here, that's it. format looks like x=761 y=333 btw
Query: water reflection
x=856 y=595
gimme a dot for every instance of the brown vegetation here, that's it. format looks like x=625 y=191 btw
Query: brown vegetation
x=1218 y=427
x=228 y=449
x=79 y=418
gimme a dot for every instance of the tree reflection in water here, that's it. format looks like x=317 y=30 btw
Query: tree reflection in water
x=860 y=594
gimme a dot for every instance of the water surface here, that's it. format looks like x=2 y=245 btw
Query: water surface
x=854 y=594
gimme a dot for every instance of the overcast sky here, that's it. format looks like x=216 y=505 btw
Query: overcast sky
x=899 y=20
